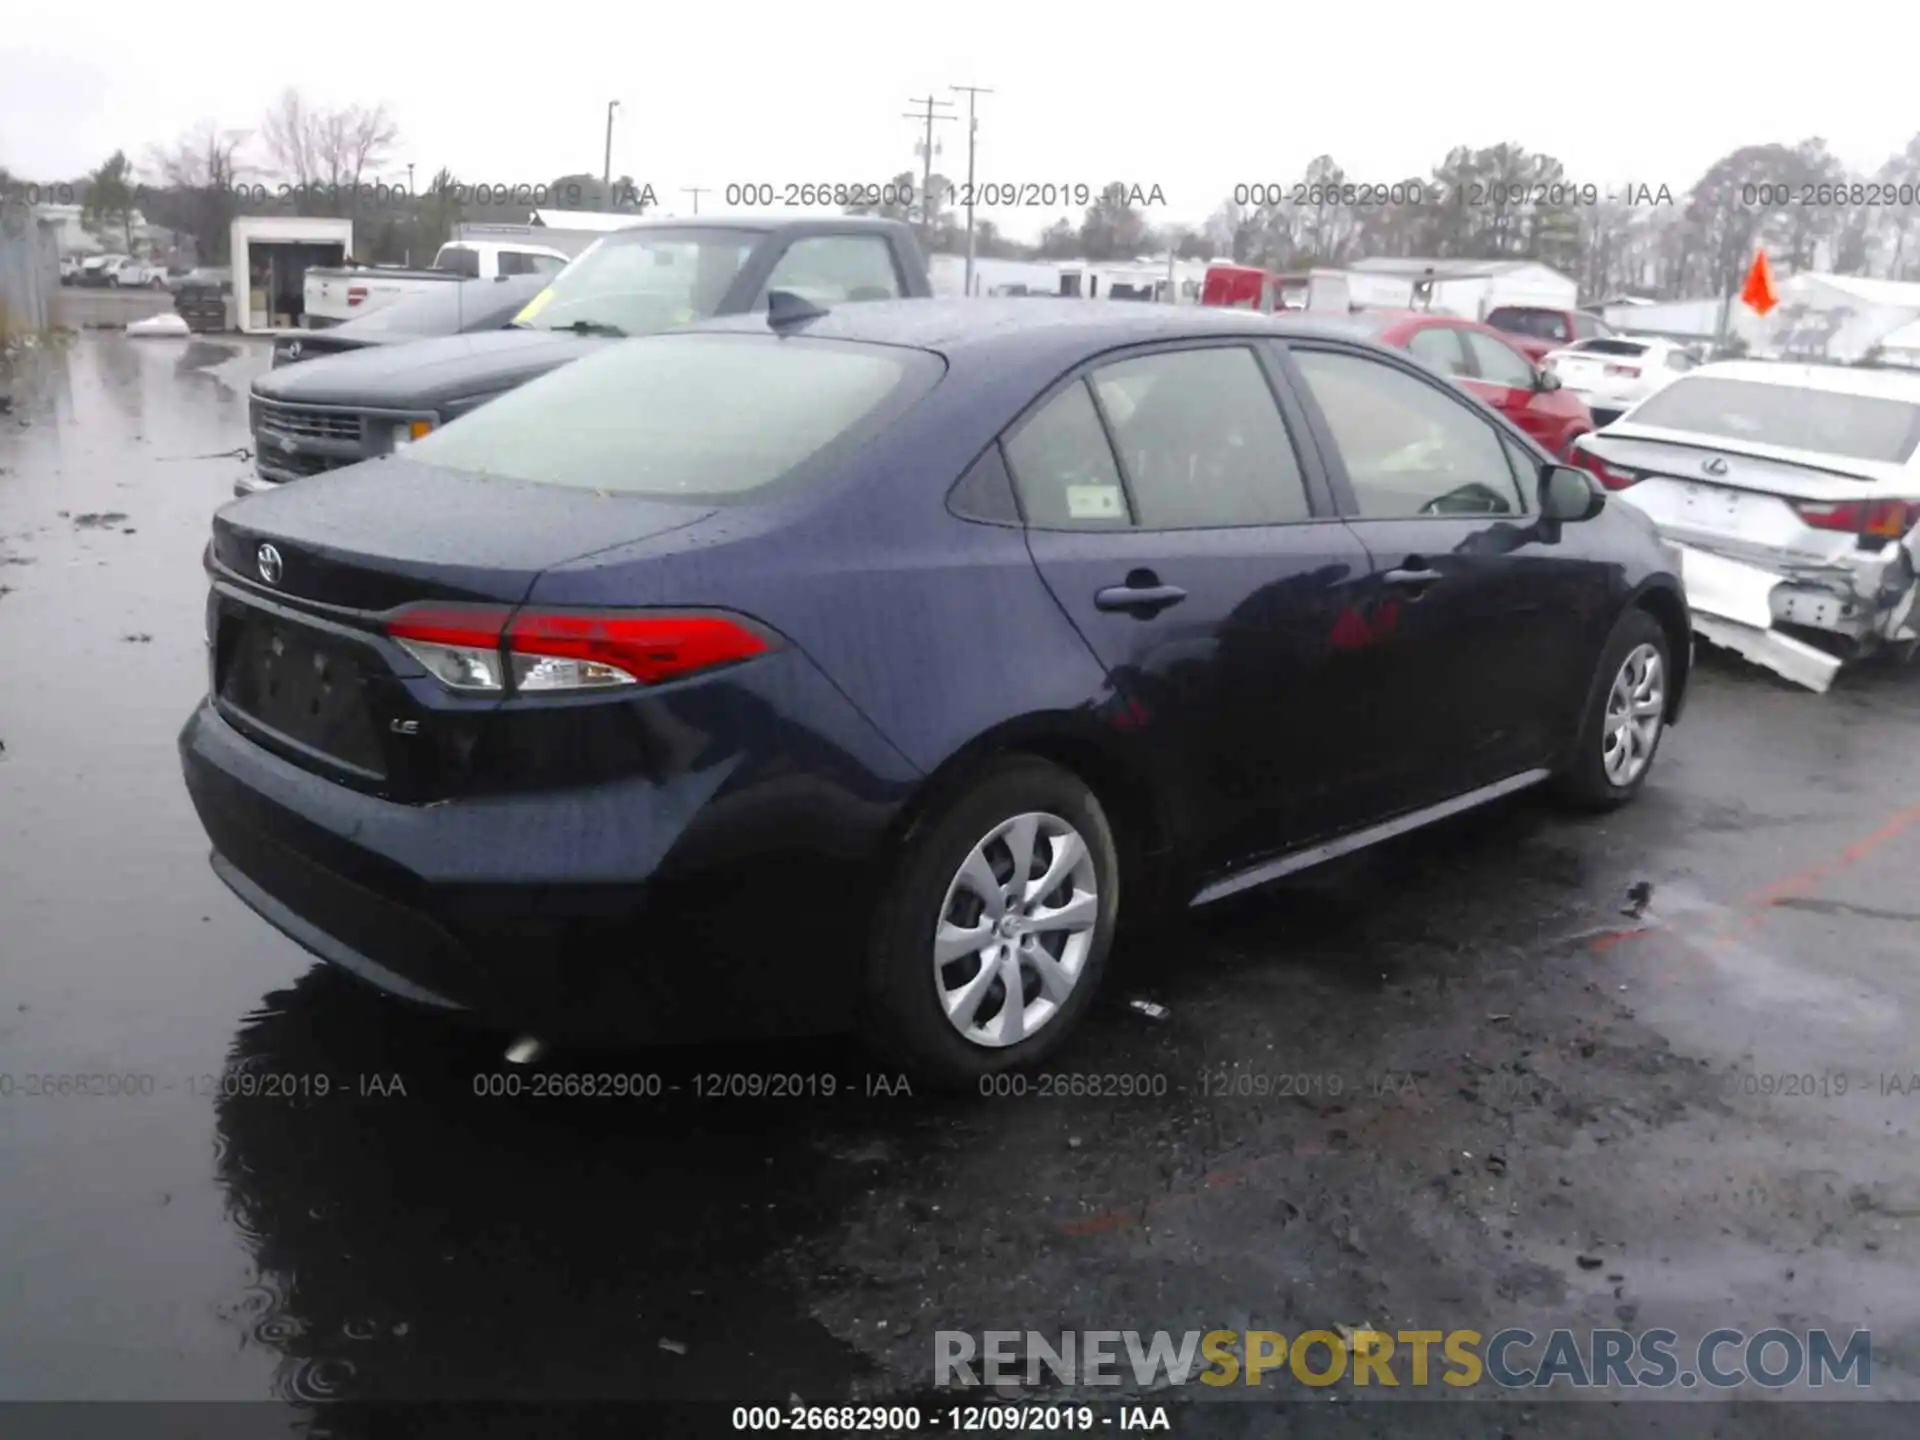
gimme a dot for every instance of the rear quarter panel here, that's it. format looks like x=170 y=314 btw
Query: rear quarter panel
x=938 y=629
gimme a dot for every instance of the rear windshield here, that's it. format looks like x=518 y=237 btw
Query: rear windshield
x=698 y=417
x=459 y=259
x=1856 y=427
x=1523 y=320
x=1609 y=347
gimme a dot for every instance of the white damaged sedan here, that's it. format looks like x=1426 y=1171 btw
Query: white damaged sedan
x=1793 y=495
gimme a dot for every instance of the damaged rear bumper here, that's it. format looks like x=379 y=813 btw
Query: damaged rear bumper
x=1741 y=603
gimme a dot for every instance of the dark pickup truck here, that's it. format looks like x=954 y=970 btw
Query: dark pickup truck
x=322 y=414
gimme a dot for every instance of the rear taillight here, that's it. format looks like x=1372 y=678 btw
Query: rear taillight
x=355 y=294
x=1869 y=519
x=483 y=649
x=1614 y=477
x=1631 y=372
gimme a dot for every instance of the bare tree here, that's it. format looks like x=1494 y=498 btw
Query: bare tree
x=289 y=134
x=353 y=142
x=317 y=149
x=196 y=192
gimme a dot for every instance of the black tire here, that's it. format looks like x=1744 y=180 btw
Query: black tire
x=1582 y=779
x=904 y=1018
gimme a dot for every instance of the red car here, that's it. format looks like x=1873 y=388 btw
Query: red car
x=1481 y=359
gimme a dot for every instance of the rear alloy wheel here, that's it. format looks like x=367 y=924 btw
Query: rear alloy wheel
x=996 y=933
x=1625 y=718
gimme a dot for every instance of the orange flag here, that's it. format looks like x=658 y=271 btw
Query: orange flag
x=1758 y=293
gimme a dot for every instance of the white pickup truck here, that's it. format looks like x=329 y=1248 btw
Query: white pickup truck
x=336 y=294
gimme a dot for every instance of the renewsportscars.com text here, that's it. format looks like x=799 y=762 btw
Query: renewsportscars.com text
x=1512 y=1358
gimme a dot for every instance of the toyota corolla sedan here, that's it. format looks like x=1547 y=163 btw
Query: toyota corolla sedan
x=867 y=670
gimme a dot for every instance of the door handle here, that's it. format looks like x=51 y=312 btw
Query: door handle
x=1143 y=600
x=1413 y=575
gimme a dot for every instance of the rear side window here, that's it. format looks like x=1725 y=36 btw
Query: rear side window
x=1827 y=422
x=707 y=417
x=1201 y=440
x=1063 y=467
x=459 y=259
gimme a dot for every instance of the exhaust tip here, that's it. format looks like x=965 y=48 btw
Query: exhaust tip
x=526 y=1050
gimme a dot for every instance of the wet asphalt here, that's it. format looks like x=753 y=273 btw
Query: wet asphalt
x=1526 y=1069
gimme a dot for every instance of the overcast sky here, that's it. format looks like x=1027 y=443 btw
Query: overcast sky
x=1192 y=99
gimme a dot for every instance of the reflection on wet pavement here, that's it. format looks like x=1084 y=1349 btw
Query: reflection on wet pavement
x=1413 y=1090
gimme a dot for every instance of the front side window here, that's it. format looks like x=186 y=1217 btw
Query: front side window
x=1410 y=448
x=1202 y=440
x=637 y=282
x=663 y=417
x=1438 y=347
x=1498 y=362
x=836 y=269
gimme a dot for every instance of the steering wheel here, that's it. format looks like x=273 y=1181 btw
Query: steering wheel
x=1469 y=499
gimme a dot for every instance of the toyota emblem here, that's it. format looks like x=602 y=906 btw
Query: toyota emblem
x=1715 y=466
x=268 y=560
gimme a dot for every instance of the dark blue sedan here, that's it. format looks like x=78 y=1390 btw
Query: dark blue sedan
x=865 y=670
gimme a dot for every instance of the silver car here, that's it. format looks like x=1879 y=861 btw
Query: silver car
x=1793 y=495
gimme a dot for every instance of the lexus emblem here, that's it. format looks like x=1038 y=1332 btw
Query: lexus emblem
x=268 y=559
x=1715 y=466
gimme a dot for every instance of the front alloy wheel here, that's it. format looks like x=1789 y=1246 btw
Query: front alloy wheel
x=1636 y=709
x=1015 y=929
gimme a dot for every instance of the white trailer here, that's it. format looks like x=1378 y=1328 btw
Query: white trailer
x=271 y=255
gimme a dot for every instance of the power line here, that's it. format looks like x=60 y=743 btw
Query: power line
x=696 y=191
x=972 y=92
x=926 y=172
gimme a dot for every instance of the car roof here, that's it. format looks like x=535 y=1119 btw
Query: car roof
x=1840 y=379
x=1030 y=325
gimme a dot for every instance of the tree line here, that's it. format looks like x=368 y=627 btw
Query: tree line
x=1505 y=202
x=1500 y=202
x=304 y=159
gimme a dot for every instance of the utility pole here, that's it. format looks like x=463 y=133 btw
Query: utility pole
x=696 y=191
x=973 y=129
x=606 y=169
x=926 y=150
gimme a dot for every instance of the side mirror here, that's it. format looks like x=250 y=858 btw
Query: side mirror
x=1569 y=494
x=1545 y=381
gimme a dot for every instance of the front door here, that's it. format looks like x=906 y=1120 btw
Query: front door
x=1506 y=380
x=1473 y=625
x=1171 y=515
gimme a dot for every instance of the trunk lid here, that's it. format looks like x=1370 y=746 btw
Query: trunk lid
x=305 y=576
x=1738 y=499
x=391 y=531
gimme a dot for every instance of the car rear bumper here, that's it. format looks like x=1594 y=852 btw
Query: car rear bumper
x=604 y=915
x=1751 y=604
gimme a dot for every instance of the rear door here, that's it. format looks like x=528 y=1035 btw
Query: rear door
x=1192 y=542
x=1479 y=615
